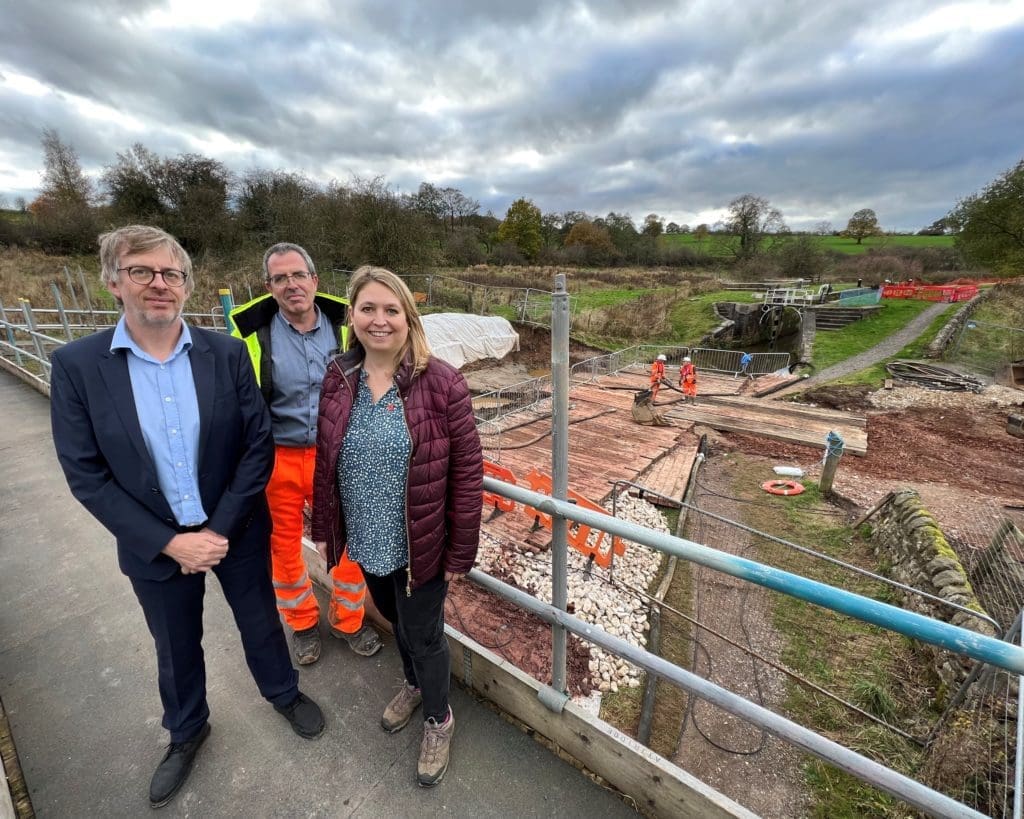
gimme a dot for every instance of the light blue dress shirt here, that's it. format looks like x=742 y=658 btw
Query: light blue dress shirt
x=168 y=411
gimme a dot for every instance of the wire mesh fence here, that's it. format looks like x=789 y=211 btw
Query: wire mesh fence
x=986 y=347
x=875 y=692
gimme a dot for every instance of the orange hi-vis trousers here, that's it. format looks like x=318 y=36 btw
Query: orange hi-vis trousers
x=688 y=381
x=289 y=490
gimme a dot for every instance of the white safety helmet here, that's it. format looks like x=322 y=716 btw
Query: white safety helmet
x=662 y=357
x=686 y=358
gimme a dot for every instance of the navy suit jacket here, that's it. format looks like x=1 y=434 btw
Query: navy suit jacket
x=108 y=468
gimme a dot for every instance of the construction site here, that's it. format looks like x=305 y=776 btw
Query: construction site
x=905 y=500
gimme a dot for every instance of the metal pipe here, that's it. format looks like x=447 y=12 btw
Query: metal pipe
x=886 y=779
x=835 y=561
x=559 y=471
x=60 y=310
x=10 y=337
x=1018 y=772
x=227 y=304
x=958 y=640
x=26 y=308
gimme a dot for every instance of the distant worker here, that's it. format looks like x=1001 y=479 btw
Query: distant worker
x=745 y=361
x=688 y=380
x=657 y=375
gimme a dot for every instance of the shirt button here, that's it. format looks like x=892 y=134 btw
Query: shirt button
x=179 y=463
x=168 y=399
x=185 y=497
x=173 y=432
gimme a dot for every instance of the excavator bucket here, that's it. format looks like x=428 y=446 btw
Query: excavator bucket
x=644 y=411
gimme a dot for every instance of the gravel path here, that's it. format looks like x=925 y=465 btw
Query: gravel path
x=892 y=345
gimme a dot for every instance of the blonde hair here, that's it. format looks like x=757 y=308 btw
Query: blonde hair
x=416 y=344
x=140 y=239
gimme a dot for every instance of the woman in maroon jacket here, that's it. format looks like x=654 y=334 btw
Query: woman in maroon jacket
x=398 y=485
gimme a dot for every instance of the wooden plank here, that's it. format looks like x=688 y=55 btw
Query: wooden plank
x=658 y=787
x=855 y=440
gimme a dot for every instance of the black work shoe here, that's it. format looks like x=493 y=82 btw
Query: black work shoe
x=306 y=645
x=174 y=768
x=304 y=715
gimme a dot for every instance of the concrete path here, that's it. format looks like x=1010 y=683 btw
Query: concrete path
x=78 y=681
x=881 y=351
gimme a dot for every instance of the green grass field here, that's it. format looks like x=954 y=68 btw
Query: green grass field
x=721 y=246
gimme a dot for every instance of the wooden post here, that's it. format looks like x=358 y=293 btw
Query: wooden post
x=833 y=452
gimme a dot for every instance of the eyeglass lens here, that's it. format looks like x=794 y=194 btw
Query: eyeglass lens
x=144 y=275
x=299 y=276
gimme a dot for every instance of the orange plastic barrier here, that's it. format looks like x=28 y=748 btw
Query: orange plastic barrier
x=931 y=292
x=579 y=534
x=502 y=473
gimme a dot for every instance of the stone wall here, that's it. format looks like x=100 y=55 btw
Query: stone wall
x=953 y=326
x=908 y=537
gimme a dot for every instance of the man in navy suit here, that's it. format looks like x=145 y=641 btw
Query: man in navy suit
x=164 y=437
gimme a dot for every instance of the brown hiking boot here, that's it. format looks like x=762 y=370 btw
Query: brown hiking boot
x=306 y=645
x=401 y=708
x=366 y=642
x=437 y=741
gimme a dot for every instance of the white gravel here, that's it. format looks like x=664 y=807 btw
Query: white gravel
x=612 y=606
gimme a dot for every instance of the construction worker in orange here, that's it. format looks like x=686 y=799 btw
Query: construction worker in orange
x=688 y=380
x=657 y=375
x=292 y=332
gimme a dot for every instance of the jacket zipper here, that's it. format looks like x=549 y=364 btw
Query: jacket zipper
x=408 y=466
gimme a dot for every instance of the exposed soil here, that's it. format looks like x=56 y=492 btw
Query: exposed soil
x=514 y=634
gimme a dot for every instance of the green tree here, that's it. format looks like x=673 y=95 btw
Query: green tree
x=133 y=185
x=654 y=226
x=274 y=206
x=990 y=225
x=194 y=190
x=378 y=228
x=522 y=227
x=862 y=224
x=588 y=243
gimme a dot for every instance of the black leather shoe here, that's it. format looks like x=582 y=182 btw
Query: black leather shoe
x=174 y=769
x=304 y=715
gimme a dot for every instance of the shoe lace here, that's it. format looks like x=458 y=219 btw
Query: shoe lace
x=434 y=736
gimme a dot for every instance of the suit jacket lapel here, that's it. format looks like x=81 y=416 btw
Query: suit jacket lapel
x=113 y=369
x=204 y=375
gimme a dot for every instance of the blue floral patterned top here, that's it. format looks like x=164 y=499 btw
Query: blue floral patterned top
x=373 y=466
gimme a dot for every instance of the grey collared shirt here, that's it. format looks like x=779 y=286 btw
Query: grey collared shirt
x=299 y=361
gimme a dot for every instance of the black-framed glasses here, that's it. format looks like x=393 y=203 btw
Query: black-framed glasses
x=145 y=275
x=280 y=279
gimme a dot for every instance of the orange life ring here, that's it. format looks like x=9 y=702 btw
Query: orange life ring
x=778 y=487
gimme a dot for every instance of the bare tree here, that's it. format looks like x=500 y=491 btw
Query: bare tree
x=63 y=209
x=751 y=219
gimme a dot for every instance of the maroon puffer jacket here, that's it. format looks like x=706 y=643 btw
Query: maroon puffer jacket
x=443 y=491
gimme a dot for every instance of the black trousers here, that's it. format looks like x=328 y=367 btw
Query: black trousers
x=174 y=614
x=418 y=623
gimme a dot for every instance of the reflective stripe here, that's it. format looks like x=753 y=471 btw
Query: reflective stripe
x=354 y=588
x=301 y=583
x=348 y=604
x=291 y=604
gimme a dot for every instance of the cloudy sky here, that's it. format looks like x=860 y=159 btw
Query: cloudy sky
x=632 y=106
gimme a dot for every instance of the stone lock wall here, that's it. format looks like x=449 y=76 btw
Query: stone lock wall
x=908 y=537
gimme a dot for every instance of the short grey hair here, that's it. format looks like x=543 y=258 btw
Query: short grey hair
x=286 y=247
x=140 y=239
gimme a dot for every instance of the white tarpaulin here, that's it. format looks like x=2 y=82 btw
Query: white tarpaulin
x=460 y=338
